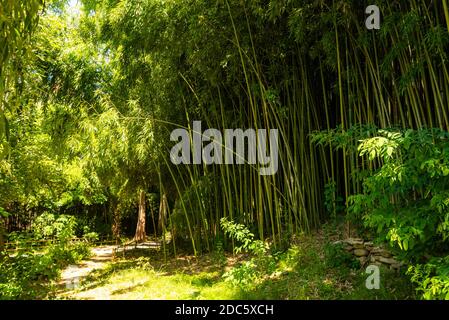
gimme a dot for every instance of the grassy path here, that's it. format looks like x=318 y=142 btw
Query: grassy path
x=73 y=275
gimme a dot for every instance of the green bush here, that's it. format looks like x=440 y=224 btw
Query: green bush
x=406 y=201
x=242 y=234
x=28 y=274
x=63 y=255
x=336 y=257
x=23 y=276
x=432 y=278
x=262 y=263
x=48 y=225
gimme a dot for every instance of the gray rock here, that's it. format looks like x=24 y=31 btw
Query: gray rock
x=381 y=252
x=361 y=252
x=354 y=241
x=387 y=260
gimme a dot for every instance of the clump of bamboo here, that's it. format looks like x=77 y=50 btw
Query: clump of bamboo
x=394 y=77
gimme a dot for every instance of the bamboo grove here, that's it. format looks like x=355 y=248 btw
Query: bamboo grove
x=332 y=73
x=299 y=66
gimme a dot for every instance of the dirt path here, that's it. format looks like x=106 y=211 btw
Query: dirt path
x=73 y=274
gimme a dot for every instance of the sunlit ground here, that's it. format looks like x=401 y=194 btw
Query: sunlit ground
x=303 y=274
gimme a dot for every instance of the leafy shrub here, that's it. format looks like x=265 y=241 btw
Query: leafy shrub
x=22 y=276
x=432 y=278
x=62 y=227
x=90 y=236
x=241 y=233
x=63 y=255
x=261 y=264
x=406 y=200
x=244 y=275
x=336 y=256
x=48 y=225
x=332 y=202
x=26 y=275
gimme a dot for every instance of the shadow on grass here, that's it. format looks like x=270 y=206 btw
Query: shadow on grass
x=302 y=272
x=129 y=289
x=309 y=275
x=193 y=274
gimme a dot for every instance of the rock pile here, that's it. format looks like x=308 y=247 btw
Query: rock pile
x=367 y=253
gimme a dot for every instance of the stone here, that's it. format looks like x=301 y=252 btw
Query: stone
x=344 y=244
x=363 y=260
x=367 y=253
x=354 y=241
x=361 y=252
x=381 y=252
x=387 y=260
x=377 y=263
x=369 y=246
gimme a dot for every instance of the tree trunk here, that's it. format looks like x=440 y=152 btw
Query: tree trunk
x=140 y=229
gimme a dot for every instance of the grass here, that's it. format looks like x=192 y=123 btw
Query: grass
x=302 y=272
x=146 y=275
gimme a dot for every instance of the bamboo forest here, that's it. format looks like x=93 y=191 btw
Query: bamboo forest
x=224 y=150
